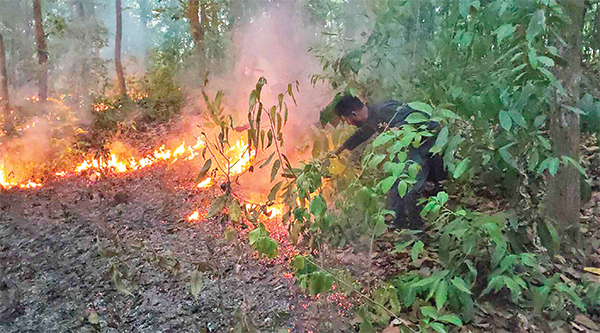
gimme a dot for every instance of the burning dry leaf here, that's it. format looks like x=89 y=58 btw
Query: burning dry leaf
x=93 y=318
x=196 y=283
x=593 y=270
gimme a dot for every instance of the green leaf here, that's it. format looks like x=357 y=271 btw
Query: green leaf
x=203 y=171
x=514 y=288
x=464 y=7
x=319 y=282
x=545 y=143
x=429 y=311
x=517 y=117
x=380 y=228
x=461 y=168
x=441 y=295
x=449 y=114
x=267 y=161
x=402 y=188
x=318 y=206
x=505 y=120
x=365 y=322
x=439 y=327
x=452 y=319
x=382 y=139
x=533 y=57
x=504 y=31
x=575 y=110
x=274 y=190
x=416 y=250
x=440 y=141
x=401 y=246
x=420 y=106
x=537 y=24
x=507 y=157
x=568 y=160
x=387 y=183
x=546 y=61
x=442 y=197
x=275 y=169
x=375 y=160
x=298 y=262
x=416 y=118
x=553 y=166
x=461 y=285
x=413 y=170
x=539 y=121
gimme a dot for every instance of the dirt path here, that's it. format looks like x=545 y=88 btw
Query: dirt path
x=54 y=274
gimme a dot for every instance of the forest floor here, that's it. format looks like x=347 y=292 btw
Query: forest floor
x=115 y=255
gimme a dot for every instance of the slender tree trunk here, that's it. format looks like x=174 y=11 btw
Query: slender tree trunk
x=82 y=89
x=144 y=16
x=195 y=26
x=563 y=200
x=4 y=84
x=92 y=11
x=118 y=38
x=42 y=51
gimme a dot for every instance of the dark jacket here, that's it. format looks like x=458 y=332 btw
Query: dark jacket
x=387 y=114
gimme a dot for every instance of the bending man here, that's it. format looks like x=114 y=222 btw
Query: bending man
x=371 y=119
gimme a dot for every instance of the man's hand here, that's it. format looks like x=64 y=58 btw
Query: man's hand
x=332 y=154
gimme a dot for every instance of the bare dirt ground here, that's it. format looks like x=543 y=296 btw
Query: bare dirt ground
x=116 y=254
x=58 y=244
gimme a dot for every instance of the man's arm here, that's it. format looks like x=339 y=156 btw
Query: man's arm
x=360 y=136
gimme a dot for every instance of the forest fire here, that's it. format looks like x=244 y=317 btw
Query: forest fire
x=123 y=160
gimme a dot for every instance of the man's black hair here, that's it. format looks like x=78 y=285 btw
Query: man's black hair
x=347 y=104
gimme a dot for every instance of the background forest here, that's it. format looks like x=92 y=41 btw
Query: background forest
x=91 y=92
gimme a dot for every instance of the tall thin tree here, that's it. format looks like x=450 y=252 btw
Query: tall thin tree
x=195 y=26
x=42 y=51
x=563 y=195
x=118 y=40
x=4 y=108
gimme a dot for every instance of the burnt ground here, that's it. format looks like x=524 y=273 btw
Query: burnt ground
x=62 y=245
x=115 y=255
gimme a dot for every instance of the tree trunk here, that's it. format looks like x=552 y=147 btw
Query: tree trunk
x=563 y=198
x=4 y=108
x=118 y=38
x=195 y=26
x=42 y=51
x=144 y=16
x=82 y=88
x=92 y=14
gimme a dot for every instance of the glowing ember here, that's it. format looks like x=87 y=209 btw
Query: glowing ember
x=205 y=183
x=195 y=216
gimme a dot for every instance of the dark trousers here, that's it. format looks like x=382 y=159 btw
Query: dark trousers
x=406 y=208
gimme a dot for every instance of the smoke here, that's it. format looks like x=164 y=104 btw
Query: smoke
x=273 y=45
